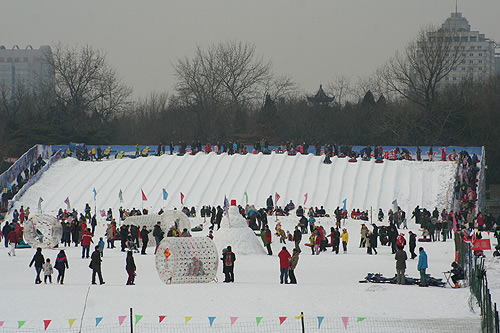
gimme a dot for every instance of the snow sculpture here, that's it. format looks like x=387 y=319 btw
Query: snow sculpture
x=168 y=219
x=234 y=231
x=43 y=231
x=186 y=260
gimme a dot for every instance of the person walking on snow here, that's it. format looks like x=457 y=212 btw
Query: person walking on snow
x=130 y=268
x=61 y=265
x=293 y=264
x=422 y=266
x=95 y=265
x=400 y=258
x=345 y=239
x=228 y=259
x=38 y=260
x=285 y=257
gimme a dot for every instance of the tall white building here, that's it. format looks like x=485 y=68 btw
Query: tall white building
x=24 y=67
x=478 y=58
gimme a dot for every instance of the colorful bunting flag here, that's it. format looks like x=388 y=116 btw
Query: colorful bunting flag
x=233 y=320
x=98 y=320
x=345 y=320
x=71 y=322
x=20 y=323
x=46 y=323
x=121 y=319
x=187 y=319
x=137 y=318
x=258 y=320
x=299 y=316
x=161 y=319
x=211 y=320
x=360 y=319
x=282 y=320
x=120 y=196
x=143 y=196
x=1 y=323
x=182 y=198
x=165 y=194
x=320 y=320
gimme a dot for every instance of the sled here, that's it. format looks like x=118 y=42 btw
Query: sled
x=365 y=159
x=379 y=161
x=424 y=239
x=197 y=229
x=353 y=159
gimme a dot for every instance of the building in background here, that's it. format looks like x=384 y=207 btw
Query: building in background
x=25 y=68
x=478 y=58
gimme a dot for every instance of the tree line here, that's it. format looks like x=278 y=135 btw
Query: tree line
x=227 y=92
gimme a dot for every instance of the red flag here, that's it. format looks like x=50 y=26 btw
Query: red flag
x=46 y=323
x=282 y=319
x=161 y=318
x=182 y=199
x=143 y=196
x=481 y=244
x=276 y=197
x=305 y=199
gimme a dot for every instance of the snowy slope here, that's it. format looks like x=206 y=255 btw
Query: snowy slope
x=206 y=179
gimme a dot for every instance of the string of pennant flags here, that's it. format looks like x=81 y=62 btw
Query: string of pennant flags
x=187 y=319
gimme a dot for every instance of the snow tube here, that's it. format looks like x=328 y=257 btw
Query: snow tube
x=365 y=159
x=379 y=161
x=196 y=229
x=424 y=239
x=353 y=159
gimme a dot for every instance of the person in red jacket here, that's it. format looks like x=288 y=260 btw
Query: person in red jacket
x=285 y=257
x=86 y=241
x=401 y=241
x=13 y=239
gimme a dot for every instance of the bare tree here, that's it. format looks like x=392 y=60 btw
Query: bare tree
x=417 y=72
x=341 y=88
x=85 y=83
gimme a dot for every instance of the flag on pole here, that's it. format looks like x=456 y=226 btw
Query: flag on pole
x=395 y=204
x=120 y=196
x=165 y=194
x=143 y=196
x=246 y=197
x=40 y=204
x=305 y=199
x=182 y=198
x=95 y=193
x=226 y=205
x=276 y=198
x=103 y=212
x=345 y=204
x=67 y=203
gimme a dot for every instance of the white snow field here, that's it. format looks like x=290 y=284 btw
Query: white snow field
x=328 y=290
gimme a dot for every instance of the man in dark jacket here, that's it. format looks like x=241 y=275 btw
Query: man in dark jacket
x=6 y=230
x=400 y=258
x=158 y=233
x=413 y=244
x=228 y=260
x=130 y=267
x=95 y=264
x=134 y=233
x=145 y=238
x=124 y=237
x=458 y=274
x=297 y=237
x=38 y=260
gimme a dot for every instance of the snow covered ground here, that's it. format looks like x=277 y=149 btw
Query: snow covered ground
x=328 y=285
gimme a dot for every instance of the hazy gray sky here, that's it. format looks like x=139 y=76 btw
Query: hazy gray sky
x=310 y=41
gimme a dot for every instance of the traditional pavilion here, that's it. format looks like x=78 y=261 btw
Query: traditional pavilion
x=321 y=98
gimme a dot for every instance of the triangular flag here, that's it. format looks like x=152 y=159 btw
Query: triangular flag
x=282 y=319
x=488 y=232
x=165 y=194
x=98 y=320
x=1 y=323
x=71 y=322
x=46 y=323
x=276 y=198
x=211 y=320
x=161 y=318
x=143 y=196
x=121 y=319
x=233 y=320
x=360 y=319
x=120 y=195
x=258 y=320
x=137 y=318
x=246 y=197
x=305 y=198
x=345 y=320
x=299 y=316
x=67 y=203
x=20 y=323
x=182 y=198
x=344 y=202
x=95 y=193
x=226 y=205
x=320 y=320
x=187 y=319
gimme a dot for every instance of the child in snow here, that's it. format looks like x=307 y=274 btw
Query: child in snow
x=47 y=271
x=311 y=241
x=101 y=246
x=345 y=238
x=282 y=236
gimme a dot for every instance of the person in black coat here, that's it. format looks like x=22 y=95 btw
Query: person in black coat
x=61 y=265
x=124 y=237
x=130 y=267
x=145 y=238
x=413 y=244
x=228 y=259
x=95 y=265
x=458 y=274
x=297 y=237
x=6 y=230
x=134 y=233
x=38 y=260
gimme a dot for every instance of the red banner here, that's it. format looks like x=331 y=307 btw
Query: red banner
x=481 y=244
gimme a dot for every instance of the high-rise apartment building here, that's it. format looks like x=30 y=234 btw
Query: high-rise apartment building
x=24 y=67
